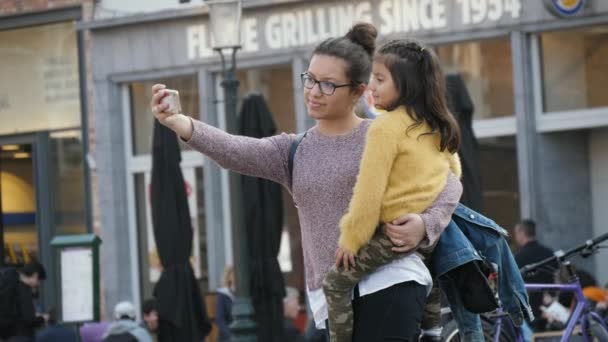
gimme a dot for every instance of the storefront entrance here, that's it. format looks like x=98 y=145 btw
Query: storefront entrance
x=25 y=206
x=42 y=195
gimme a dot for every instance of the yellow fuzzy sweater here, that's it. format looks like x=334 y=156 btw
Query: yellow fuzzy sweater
x=401 y=172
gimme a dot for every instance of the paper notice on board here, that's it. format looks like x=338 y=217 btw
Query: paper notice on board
x=77 y=284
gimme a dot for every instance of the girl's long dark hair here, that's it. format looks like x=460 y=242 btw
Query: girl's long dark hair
x=417 y=74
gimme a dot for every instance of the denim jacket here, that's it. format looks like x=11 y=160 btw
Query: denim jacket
x=471 y=236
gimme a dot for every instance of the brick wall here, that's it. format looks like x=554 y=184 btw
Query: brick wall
x=14 y=7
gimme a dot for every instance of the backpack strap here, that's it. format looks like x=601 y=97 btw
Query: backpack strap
x=292 y=153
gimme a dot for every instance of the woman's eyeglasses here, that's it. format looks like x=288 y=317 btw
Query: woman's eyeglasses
x=326 y=87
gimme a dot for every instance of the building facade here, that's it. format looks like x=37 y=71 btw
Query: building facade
x=44 y=179
x=533 y=69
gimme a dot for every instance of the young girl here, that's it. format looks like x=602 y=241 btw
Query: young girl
x=409 y=152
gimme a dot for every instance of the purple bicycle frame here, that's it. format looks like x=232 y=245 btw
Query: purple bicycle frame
x=576 y=315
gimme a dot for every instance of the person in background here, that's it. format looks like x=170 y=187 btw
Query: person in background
x=599 y=299
x=150 y=315
x=291 y=309
x=531 y=251
x=18 y=317
x=56 y=332
x=223 y=310
x=124 y=328
x=93 y=331
x=554 y=313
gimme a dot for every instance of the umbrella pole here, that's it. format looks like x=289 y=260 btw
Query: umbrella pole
x=243 y=327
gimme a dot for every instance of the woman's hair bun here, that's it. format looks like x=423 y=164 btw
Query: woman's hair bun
x=364 y=34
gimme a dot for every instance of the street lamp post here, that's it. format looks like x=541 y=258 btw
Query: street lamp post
x=225 y=19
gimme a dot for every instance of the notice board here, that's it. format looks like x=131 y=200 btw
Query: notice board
x=77 y=284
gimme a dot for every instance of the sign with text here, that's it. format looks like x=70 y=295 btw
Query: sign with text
x=304 y=25
x=294 y=27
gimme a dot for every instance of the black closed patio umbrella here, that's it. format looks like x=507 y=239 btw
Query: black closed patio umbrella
x=263 y=214
x=462 y=107
x=180 y=305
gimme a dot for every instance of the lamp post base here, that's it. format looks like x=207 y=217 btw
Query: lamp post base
x=243 y=327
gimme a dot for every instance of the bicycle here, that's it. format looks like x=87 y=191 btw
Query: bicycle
x=590 y=325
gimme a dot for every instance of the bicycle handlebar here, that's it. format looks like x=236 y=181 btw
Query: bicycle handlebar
x=560 y=255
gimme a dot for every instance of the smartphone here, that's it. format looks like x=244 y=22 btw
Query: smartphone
x=172 y=99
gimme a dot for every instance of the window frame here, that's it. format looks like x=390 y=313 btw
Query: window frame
x=560 y=120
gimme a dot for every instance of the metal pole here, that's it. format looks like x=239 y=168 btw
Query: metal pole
x=84 y=130
x=243 y=327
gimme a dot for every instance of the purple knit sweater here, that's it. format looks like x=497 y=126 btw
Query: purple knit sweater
x=324 y=175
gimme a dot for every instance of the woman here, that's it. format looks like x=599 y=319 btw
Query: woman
x=388 y=304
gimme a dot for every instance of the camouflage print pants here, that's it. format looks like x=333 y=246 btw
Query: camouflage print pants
x=339 y=283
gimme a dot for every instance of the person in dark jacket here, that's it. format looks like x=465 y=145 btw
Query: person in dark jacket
x=531 y=251
x=55 y=332
x=125 y=329
x=223 y=309
x=23 y=322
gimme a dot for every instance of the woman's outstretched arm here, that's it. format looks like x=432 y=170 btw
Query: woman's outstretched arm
x=265 y=158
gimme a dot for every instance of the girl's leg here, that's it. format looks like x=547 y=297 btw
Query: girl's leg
x=431 y=321
x=339 y=283
x=390 y=315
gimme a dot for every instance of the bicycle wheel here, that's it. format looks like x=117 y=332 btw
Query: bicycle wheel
x=596 y=331
x=450 y=332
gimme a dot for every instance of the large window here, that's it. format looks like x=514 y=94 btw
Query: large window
x=499 y=180
x=67 y=180
x=40 y=87
x=487 y=69
x=276 y=85
x=574 y=68
x=21 y=198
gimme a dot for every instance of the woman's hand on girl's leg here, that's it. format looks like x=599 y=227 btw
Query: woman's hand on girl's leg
x=345 y=258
